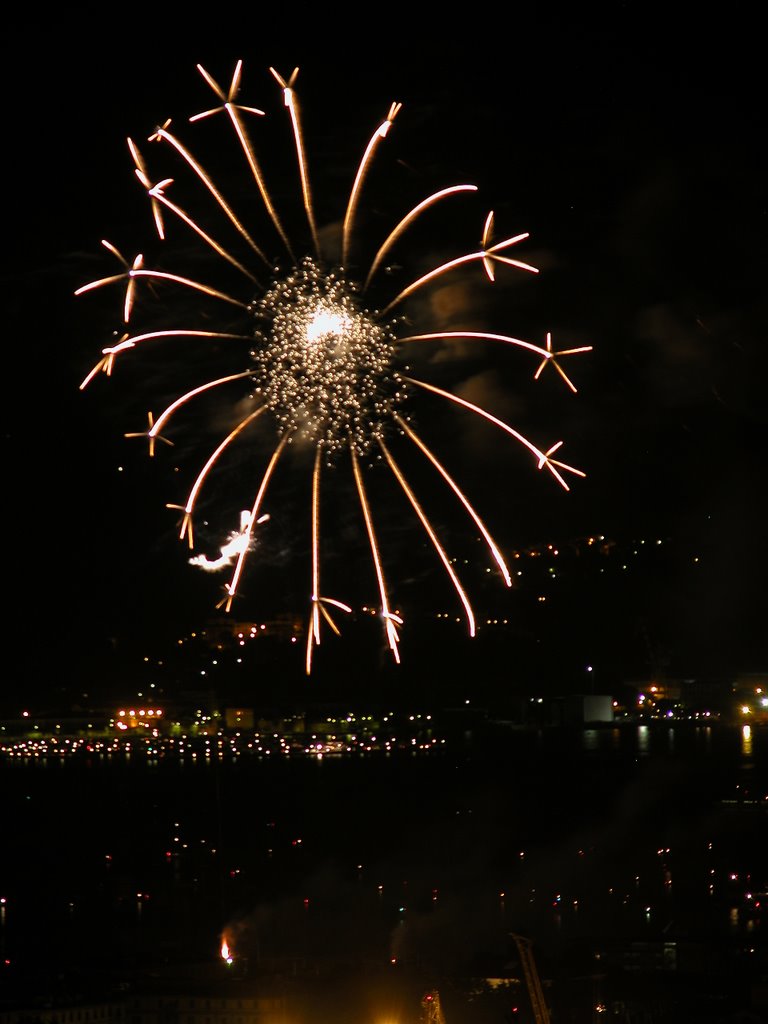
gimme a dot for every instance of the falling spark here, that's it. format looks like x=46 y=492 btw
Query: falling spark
x=322 y=362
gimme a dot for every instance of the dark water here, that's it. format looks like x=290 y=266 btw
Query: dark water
x=586 y=841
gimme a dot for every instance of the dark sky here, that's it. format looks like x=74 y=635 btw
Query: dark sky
x=632 y=151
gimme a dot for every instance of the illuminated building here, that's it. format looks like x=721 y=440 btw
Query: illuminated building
x=142 y=718
x=750 y=694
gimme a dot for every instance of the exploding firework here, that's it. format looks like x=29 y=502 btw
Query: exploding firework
x=314 y=359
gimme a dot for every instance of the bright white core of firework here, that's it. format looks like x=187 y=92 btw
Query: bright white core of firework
x=328 y=322
x=323 y=365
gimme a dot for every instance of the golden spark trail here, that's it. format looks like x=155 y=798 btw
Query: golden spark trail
x=233 y=111
x=140 y=170
x=495 y=552
x=389 y=617
x=448 y=335
x=292 y=104
x=232 y=585
x=127 y=342
x=156 y=193
x=163 y=133
x=157 y=197
x=188 y=508
x=313 y=633
x=166 y=415
x=318 y=603
x=409 y=218
x=542 y=457
x=483 y=254
x=547 y=354
x=378 y=135
x=432 y=535
x=157 y=275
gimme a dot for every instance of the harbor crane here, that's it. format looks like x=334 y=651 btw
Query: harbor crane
x=431 y=1008
x=532 y=980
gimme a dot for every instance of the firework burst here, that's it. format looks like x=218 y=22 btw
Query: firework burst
x=325 y=369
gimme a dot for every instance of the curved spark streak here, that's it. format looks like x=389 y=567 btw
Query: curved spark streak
x=483 y=335
x=158 y=197
x=376 y=138
x=157 y=193
x=313 y=633
x=547 y=354
x=318 y=602
x=409 y=218
x=292 y=104
x=232 y=585
x=153 y=335
x=106 y=363
x=431 y=534
x=113 y=279
x=471 y=257
x=157 y=275
x=232 y=110
x=495 y=552
x=390 y=618
x=542 y=457
x=163 y=133
x=166 y=415
x=140 y=169
x=186 y=523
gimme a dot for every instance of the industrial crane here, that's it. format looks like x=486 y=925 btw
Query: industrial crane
x=431 y=1010
x=532 y=980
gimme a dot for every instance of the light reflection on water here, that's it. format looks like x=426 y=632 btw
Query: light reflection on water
x=591 y=739
x=580 y=829
x=643 y=739
x=746 y=740
x=648 y=740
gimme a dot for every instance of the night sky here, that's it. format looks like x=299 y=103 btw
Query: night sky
x=631 y=150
